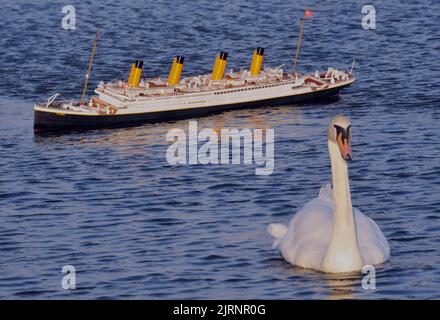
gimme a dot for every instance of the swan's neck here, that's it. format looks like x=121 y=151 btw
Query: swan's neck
x=343 y=253
x=343 y=214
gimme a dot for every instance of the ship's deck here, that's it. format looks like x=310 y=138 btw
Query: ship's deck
x=156 y=87
x=154 y=95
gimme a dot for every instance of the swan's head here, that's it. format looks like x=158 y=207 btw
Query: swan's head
x=339 y=133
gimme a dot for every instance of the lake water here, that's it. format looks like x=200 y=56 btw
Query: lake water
x=133 y=226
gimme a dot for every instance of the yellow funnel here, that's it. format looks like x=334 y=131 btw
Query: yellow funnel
x=257 y=61
x=130 y=77
x=137 y=73
x=219 y=66
x=176 y=70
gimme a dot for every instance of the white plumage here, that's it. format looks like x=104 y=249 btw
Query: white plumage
x=329 y=240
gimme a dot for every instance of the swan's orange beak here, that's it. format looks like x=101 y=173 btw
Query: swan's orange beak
x=343 y=139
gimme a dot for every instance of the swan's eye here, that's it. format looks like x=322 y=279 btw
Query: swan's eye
x=343 y=134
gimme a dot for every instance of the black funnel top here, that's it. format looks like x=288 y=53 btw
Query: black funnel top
x=224 y=55
x=180 y=59
x=260 y=51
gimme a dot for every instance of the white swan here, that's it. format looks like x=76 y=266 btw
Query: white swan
x=328 y=234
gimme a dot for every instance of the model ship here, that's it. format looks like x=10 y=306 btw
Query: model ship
x=139 y=100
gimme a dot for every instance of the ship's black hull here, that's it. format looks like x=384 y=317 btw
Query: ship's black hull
x=48 y=121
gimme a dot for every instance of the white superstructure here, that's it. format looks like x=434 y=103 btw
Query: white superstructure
x=155 y=99
x=154 y=95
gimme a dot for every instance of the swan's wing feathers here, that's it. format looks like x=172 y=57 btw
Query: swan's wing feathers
x=278 y=231
x=310 y=214
x=373 y=245
x=325 y=193
x=308 y=234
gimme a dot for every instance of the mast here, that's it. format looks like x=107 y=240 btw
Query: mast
x=89 y=69
x=307 y=13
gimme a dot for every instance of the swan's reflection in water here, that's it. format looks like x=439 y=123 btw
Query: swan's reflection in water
x=311 y=284
x=343 y=286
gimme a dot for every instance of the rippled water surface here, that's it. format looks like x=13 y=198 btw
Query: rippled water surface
x=108 y=203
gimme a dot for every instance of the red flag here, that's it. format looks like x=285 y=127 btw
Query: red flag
x=308 y=13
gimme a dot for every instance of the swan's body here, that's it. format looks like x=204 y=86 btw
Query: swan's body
x=328 y=234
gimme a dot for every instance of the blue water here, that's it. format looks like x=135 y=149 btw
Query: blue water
x=108 y=203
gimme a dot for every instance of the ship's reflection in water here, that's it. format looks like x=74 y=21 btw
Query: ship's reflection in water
x=143 y=147
x=132 y=139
